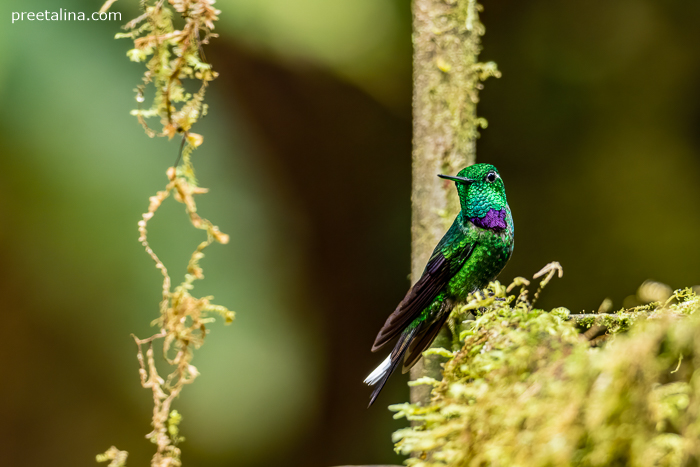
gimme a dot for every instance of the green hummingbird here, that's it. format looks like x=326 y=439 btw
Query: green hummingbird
x=471 y=254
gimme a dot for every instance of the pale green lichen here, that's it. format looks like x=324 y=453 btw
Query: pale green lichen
x=172 y=55
x=447 y=80
x=114 y=456
x=527 y=389
x=175 y=55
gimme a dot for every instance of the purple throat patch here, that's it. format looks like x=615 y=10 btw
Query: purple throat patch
x=494 y=220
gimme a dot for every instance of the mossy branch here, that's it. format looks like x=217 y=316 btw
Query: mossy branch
x=176 y=54
x=526 y=388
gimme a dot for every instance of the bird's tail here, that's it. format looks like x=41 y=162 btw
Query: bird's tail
x=381 y=374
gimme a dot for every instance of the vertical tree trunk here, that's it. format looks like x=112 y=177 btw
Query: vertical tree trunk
x=446 y=79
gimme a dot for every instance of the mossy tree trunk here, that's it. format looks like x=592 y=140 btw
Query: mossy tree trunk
x=446 y=79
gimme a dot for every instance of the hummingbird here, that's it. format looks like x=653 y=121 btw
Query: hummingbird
x=471 y=254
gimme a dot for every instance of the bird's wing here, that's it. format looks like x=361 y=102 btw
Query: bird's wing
x=423 y=341
x=447 y=259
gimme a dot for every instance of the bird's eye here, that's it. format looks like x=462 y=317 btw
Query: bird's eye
x=491 y=177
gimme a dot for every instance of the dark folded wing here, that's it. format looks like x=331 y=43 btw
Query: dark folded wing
x=446 y=261
x=421 y=344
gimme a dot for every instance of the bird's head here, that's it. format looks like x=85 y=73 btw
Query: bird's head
x=482 y=195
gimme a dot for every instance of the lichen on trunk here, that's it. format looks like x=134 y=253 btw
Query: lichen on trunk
x=446 y=83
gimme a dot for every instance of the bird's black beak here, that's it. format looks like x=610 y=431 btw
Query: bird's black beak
x=457 y=179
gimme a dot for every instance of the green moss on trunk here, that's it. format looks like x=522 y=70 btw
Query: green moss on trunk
x=447 y=79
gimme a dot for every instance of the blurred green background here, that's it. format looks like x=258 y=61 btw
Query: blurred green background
x=594 y=127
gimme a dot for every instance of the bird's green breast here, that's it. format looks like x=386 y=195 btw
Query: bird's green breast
x=491 y=253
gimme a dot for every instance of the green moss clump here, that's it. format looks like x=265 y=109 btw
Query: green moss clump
x=527 y=389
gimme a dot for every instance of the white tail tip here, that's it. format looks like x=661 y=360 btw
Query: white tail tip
x=378 y=372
